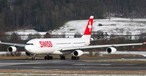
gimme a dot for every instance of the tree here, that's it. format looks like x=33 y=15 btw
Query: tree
x=47 y=35
x=15 y=38
x=44 y=15
x=30 y=36
x=77 y=35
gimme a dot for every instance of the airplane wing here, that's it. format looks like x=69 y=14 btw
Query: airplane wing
x=13 y=44
x=101 y=46
x=10 y=54
x=81 y=47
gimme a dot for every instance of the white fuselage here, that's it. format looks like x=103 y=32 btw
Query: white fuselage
x=54 y=45
x=58 y=45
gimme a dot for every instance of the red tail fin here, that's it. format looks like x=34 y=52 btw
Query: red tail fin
x=88 y=30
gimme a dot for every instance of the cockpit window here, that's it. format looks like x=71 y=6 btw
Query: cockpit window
x=29 y=44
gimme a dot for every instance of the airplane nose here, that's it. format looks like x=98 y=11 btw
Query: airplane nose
x=31 y=49
x=28 y=48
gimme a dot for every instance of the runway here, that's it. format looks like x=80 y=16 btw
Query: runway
x=68 y=65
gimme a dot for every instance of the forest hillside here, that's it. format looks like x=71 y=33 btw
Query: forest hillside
x=44 y=15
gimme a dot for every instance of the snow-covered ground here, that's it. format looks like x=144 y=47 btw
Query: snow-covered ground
x=25 y=33
x=116 y=26
x=112 y=26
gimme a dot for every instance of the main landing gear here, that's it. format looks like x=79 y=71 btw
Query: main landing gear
x=75 y=58
x=48 y=57
x=62 y=57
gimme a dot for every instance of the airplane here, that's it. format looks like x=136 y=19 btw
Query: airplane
x=63 y=46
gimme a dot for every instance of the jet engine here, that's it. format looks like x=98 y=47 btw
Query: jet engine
x=12 y=49
x=77 y=53
x=111 y=50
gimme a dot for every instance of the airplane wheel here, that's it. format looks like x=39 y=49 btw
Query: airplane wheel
x=62 y=57
x=75 y=58
x=48 y=57
x=45 y=57
x=51 y=57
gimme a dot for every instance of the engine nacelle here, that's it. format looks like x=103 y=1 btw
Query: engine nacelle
x=12 y=49
x=111 y=50
x=77 y=53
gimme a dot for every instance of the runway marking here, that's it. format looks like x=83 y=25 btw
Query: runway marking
x=92 y=64
x=37 y=67
x=68 y=64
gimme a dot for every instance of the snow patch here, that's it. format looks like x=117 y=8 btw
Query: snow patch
x=116 y=26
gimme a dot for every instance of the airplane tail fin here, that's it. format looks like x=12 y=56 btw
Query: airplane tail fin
x=88 y=30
